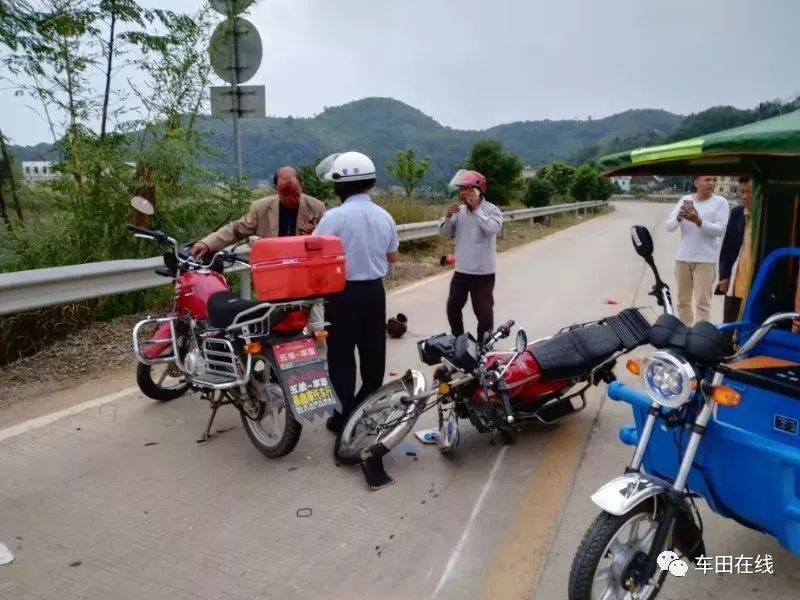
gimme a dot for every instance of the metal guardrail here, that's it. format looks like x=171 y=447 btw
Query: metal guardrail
x=38 y=288
x=429 y=229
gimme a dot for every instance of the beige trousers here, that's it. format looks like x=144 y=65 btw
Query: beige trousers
x=695 y=279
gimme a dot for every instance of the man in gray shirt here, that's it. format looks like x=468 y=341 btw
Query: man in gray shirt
x=475 y=223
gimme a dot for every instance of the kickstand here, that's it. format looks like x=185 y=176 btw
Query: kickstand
x=375 y=474
x=207 y=432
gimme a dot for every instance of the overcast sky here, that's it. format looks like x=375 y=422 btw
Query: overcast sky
x=472 y=64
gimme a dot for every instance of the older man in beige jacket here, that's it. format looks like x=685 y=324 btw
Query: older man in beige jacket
x=289 y=212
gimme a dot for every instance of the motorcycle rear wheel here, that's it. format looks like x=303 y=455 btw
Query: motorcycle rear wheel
x=365 y=425
x=269 y=422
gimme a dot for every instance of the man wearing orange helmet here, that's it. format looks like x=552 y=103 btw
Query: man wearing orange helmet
x=474 y=223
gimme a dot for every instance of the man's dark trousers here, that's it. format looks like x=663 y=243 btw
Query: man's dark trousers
x=480 y=289
x=357 y=319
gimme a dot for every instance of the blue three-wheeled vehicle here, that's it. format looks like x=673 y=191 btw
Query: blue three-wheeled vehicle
x=711 y=420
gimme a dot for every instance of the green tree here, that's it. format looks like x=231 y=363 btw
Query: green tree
x=584 y=185
x=604 y=188
x=313 y=185
x=561 y=176
x=10 y=175
x=538 y=192
x=502 y=169
x=407 y=170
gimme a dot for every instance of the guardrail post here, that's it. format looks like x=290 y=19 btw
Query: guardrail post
x=244 y=284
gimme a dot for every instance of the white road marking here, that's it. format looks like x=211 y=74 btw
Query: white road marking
x=454 y=556
x=38 y=422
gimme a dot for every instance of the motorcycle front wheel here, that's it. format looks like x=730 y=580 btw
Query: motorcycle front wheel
x=379 y=418
x=162 y=382
x=609 y=554
x=266 y=416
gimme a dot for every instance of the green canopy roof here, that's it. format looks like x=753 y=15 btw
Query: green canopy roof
x=732 y=151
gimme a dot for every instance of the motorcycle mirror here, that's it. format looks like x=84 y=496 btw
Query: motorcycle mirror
x=521 y=341
x=642 y=241
x=143 y=205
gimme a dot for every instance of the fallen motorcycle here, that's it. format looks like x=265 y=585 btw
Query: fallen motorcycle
x=544 y=381
x=259 y=356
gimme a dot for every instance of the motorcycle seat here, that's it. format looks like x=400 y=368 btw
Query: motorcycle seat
x=573 y=354
x=702 y=342
x=223 y=307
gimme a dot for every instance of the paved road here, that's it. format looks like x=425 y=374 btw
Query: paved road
x=118 y=501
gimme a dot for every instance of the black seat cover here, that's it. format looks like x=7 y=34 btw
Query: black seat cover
x=224 y=306
x=703 y=341
x=575 y=353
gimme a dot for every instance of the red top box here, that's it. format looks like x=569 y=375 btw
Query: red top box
x=294 y=267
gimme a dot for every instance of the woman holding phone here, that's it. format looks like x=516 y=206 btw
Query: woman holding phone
x=702 y=218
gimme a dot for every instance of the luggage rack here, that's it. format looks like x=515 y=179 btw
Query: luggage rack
x=259 y=326
x=223 y=366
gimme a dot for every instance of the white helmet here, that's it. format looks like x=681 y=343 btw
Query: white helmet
x=347 y=166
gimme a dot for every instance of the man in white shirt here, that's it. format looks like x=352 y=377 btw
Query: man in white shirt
x=702 y=218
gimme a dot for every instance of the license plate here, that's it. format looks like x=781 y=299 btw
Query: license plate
x=310 y=391
x=295 y=353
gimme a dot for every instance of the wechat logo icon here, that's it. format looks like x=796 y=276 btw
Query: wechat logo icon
x=670 y=561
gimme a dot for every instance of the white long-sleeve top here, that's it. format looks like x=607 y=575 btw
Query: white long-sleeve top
x=476 y=237
x=701 y=244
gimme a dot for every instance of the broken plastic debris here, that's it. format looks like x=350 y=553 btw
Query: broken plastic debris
x=404 y=448
x=5 y=555
x=303 y=512
x=427 y=436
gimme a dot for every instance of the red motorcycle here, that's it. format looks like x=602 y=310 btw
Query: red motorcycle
x=544 y=381
x=260 y=356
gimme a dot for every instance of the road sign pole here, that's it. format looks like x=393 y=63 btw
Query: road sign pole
x=235 y=52
x=236 y=104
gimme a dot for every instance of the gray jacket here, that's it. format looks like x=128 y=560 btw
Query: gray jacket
x=476 y=237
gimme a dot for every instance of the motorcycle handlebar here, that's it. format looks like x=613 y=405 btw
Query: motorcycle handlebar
x=503 y=331
x=141 y=230
x=159 y=236
x=505 y=328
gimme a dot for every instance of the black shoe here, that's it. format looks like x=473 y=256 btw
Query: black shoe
x=333 y=425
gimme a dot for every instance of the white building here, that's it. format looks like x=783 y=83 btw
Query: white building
x=727 y=186
x=38 y=170
x=624 y=183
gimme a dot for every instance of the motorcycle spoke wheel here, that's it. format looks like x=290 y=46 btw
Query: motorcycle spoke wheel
x=378 y=415
x=605 y=561
x=267 y=419
x=161 y=382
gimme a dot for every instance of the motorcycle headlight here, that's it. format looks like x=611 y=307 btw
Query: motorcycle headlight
x=668 y=378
